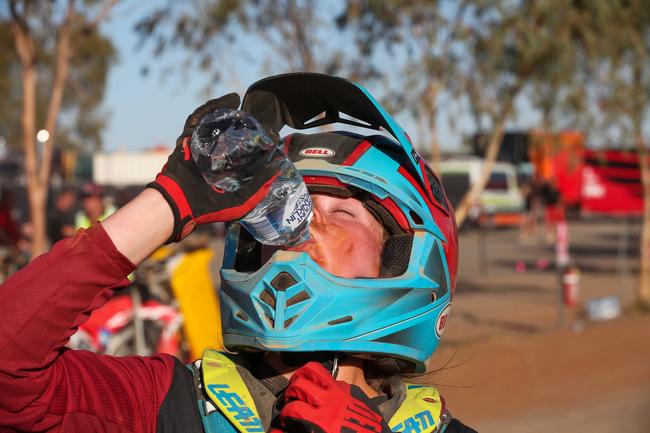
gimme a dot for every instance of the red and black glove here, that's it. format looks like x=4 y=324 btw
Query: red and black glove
x=191 y=198
x=316 y=403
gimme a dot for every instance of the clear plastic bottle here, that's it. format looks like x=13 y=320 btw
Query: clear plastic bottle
x=229 y=146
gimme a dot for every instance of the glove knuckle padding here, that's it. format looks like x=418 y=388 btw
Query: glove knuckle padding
x=305 y=390
x=299 y=410
x=317 y=374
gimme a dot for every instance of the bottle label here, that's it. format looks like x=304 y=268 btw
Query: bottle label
x=262 y=228
x=283 y=220
x=298 y=207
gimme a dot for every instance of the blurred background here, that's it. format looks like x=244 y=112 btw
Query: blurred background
x=533 y=113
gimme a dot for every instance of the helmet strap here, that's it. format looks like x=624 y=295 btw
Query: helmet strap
x=335 y=366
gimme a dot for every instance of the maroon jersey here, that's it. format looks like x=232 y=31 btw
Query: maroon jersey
x=46 y=387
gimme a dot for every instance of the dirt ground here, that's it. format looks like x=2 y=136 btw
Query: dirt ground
x=513 y=361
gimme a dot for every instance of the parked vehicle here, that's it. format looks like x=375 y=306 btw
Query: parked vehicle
x=500 y=203
x=589 y=181
x=171 y=306
x=611 y=183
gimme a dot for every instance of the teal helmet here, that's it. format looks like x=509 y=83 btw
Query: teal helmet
x=288 y=303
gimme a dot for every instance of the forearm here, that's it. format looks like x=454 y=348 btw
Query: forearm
x=141 y=226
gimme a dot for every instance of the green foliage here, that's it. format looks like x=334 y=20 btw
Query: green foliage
x=287 y=35
x=556 y=52
x=10 y=90
x=621 y=66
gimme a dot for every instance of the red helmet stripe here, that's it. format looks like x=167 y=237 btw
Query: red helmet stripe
x=417 y=186
x=287 y=144
x=356 y=153
x=323 y=180
x=395 y=211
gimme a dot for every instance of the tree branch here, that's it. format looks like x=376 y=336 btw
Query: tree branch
x=491 y=153
x=25 y=49
x=63 y=53
x=22 y=38
x=101 y=16
x=17 y=17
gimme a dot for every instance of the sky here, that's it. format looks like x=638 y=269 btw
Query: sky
x=144 y=111
x=148 y=111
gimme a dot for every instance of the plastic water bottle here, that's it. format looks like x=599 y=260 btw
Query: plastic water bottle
x=229 y=147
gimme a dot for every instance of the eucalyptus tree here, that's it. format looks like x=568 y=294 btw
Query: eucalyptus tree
x=621 y=71
x=59 y=64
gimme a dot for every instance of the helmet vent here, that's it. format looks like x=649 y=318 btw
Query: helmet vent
x=268 y=298
x=439 y=273
x=296 y=299
x=396 y=255
x=436 y=189
x=433 y=296
x=242 y=316
x=341 y=320
x=282 y=281
x=271 y=321
x=415 y=217
x=289 y=321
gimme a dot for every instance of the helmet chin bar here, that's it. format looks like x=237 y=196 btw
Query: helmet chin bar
x=292 y=305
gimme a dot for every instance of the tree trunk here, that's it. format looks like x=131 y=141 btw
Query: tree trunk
x=37 y=167
x=35 y=189
x=62 y=64
x=489 y=159
x=37 y=202
x=491 y=153
x=644 y=271
x=25 y=48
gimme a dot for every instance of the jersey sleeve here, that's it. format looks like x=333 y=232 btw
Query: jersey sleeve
x=45 y=386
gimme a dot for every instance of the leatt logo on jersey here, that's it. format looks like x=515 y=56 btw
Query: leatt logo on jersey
x=317 y=152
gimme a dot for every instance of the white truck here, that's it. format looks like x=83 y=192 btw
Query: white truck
x=501 y=202
x=128 y=168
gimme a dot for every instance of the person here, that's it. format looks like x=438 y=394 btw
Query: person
x=9 y=230
x=61 y=218
x=553 y=209
x=528 y=224
x=317 y=335
x=93 y=206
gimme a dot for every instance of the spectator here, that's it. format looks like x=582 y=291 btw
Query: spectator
x=553 y=209
x=528 y=229
x=94 y=207
x=9 y=231
x=61 y=218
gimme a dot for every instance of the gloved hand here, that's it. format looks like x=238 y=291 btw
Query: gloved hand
x=193 y=201
x=316 y=403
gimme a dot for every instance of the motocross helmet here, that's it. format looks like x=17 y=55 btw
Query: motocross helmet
x=289 y=303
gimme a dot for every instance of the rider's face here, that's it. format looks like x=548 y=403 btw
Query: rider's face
x=344 y=238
